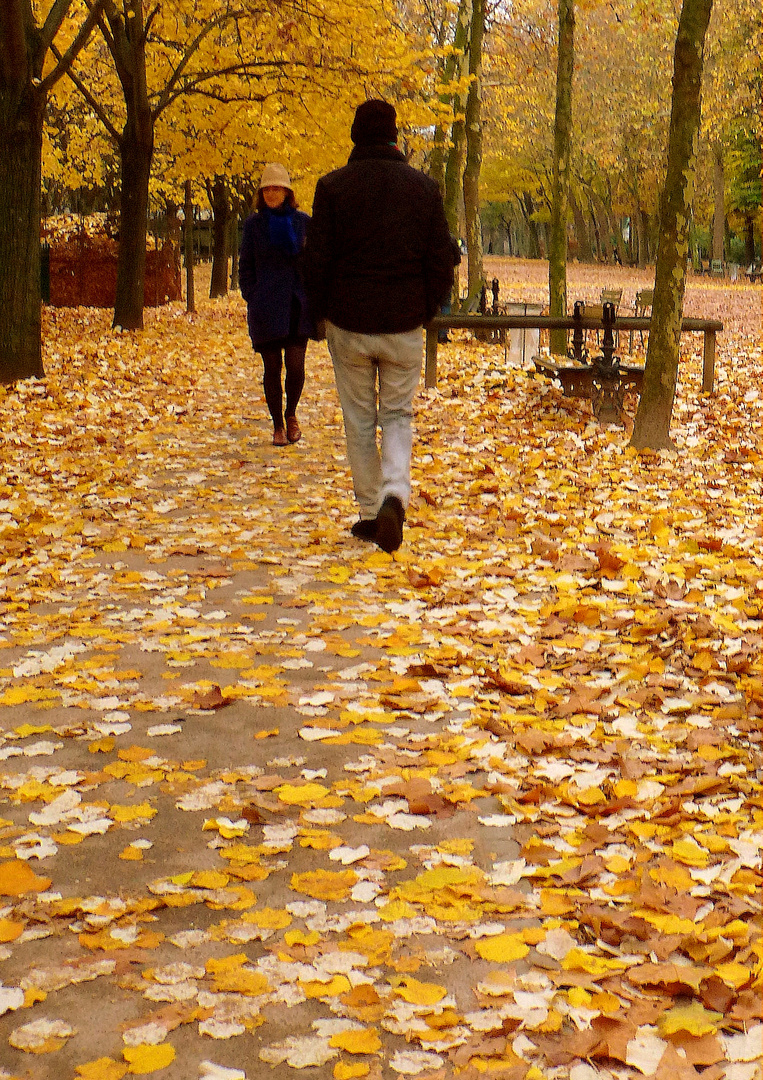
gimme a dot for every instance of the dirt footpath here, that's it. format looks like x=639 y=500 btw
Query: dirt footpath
x=273 y=800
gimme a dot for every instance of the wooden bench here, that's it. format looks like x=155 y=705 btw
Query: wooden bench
x=708 y=327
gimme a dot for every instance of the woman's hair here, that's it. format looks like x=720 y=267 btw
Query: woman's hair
x=289 y=200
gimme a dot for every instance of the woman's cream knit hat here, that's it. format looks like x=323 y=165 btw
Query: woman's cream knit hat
x=275 y=175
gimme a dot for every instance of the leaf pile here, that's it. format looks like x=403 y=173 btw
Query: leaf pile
x=489 y=808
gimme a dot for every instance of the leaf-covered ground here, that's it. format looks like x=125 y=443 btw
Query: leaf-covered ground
x=275 y=801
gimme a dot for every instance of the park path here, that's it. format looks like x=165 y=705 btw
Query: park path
x=491 y=806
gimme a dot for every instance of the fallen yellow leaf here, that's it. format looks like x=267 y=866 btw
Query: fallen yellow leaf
x=694 y=1018
x=503 y=948
x=17 y=878
x=324 y=884
x=420 y=993
x=355 y=1041
x=350 y=1070
x=147 y=1059
x=104 y=1068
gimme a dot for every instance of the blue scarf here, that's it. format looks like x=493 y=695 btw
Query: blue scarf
x=281 y=230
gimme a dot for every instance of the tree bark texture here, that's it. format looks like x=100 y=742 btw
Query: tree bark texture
x=643 y=239
x=136 y=152
x=652 y=424
x=585 y=251
x=233 y=245
x=438 y=155
x=473 y=165
x=136 y=148
x=454 y=171
x=454 y=166
x=532 y=226
x=749 y=240
x=603 y=225
x=21 y=121
x=557 y=255
x=218 y=284
x=190 y=291
x=24 y=86
x=719 y=206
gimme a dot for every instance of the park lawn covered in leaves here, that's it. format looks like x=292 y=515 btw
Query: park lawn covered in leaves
x=489 y=808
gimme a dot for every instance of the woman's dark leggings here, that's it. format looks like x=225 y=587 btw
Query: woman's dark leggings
x=294 y=360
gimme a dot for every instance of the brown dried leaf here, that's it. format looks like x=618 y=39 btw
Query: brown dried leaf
x=211 y=699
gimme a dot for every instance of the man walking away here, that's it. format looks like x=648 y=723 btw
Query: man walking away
x=378 y=264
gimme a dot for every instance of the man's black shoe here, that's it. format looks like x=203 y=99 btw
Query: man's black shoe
x=389 y=524
x=365 y=529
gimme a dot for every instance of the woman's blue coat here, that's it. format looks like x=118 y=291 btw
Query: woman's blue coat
x=269 y=277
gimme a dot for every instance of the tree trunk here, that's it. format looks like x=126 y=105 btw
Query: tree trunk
x=135 y=151
x=557 y=254
x=454 y=167
x=652 y=425
x=25 y=79
x=719 y=206
x=190 y=291
x=233 y=245
x=532 y=226
x=631 y=244
x=643 y=239
x=471 y=182
x=454 y=171
x=21 y=121
x=615 y=223
x=438 y=156
x=585 y=252
x=218 y=285
x=598 y=247
x=749 y=240
x=603 y=225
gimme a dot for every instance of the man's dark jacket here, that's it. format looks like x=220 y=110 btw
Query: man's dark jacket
x=379 y=256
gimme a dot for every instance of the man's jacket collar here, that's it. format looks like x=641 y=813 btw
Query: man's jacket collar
x=376 y=151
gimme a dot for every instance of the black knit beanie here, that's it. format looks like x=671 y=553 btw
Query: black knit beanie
x=375 y=122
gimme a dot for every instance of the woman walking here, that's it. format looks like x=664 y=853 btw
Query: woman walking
x=271 y=284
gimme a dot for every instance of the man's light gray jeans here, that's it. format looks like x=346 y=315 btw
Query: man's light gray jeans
x=393 y=363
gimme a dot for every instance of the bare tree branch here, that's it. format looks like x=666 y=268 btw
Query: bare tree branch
x=103 y=27
x=149 y=19
x=92 y=102
x=167 y=94
x=67 y=59
x=52 y=25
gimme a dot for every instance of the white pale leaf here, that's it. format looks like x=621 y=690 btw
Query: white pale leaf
x=33 y=1036
x=11 y=997
x=220 y=1029
x=408 y=822
x=413 y=1062
x=744 y=1047
x=557 y=944
x=347 y=855
x=150 y=1034
x=209 y=1071
x=315 y=734
x=645 y=1051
